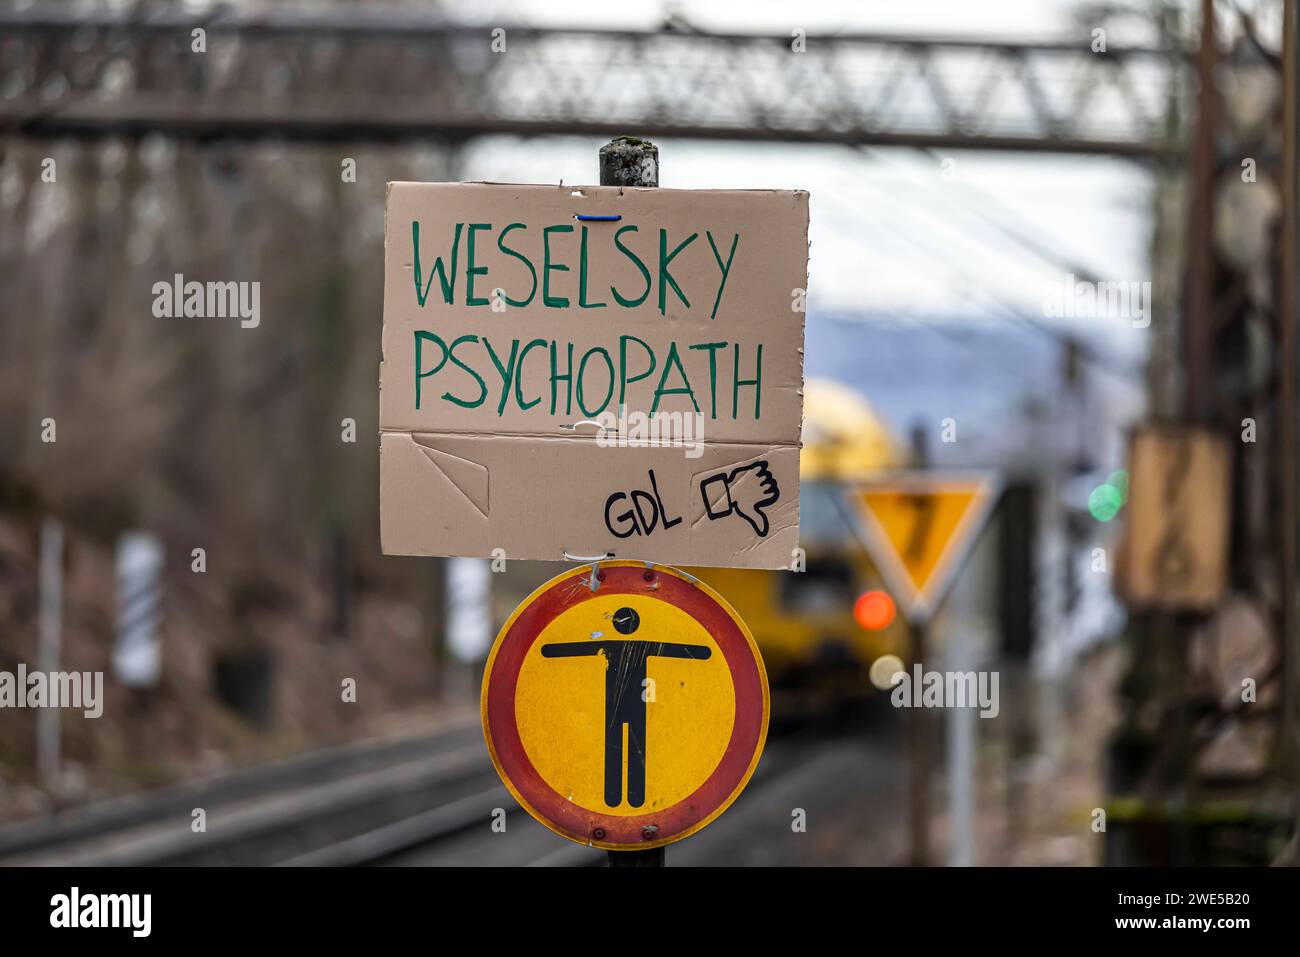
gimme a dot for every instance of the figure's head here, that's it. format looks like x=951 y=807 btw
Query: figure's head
x=626 y=620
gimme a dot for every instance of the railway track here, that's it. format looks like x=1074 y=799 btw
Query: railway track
x=851 y=787
x=264 y=814
x=428 y=800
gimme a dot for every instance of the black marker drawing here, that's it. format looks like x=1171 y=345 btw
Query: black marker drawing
x=633 y=520
x=625 y=673
x=746 y=491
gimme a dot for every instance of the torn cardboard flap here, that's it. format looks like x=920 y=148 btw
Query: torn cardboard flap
x=593 y=370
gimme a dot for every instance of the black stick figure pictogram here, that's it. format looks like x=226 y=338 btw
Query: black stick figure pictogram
x=625 y=674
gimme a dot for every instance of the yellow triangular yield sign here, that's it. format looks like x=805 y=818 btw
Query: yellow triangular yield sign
x=918 y=527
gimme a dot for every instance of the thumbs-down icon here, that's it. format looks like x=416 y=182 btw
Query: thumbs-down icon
x=745 y=491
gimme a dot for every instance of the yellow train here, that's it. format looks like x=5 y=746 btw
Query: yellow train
x=824 y=627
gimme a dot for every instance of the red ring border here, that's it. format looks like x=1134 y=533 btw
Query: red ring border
x=748 y=735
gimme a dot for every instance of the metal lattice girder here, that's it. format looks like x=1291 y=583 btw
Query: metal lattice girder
x=364 y=76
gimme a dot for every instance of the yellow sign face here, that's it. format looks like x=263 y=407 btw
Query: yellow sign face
x=918 y=528
x=627 y=715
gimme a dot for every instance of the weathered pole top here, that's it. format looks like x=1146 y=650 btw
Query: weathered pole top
x=629 y=161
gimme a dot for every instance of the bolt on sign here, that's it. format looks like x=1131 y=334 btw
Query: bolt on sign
x=625 y=705
x=602 y=371
x=918 y=527
x=1175 y=552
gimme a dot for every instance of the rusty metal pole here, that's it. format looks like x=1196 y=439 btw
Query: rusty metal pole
x=631 y=161
x=1198 y=325
x=919 y=731
x=918 y=740
x=1172 y=631
x=1287 y=413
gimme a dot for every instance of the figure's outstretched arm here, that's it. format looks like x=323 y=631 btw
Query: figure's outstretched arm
x=672 y=649
x=572 y=649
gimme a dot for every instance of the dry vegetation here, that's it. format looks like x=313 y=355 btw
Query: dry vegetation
x=208 y=434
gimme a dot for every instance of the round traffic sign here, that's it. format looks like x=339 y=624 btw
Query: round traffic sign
x=625 y=710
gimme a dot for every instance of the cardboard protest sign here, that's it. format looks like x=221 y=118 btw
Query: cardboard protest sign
x=601 y=371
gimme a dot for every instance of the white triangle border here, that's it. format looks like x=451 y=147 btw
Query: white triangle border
x=919 y=606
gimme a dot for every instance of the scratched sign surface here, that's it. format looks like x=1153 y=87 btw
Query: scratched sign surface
x=628 y=716
x=1176 y=548
x=599 y=371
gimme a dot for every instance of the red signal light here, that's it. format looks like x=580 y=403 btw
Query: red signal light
x=874 y=610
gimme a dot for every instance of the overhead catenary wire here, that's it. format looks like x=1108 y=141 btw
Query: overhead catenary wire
x=999 y=308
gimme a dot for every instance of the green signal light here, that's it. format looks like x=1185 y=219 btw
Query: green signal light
x=1105 y=502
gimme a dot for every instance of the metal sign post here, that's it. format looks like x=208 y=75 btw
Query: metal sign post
x=919 y=527
x=51 y=627
x=629 y=161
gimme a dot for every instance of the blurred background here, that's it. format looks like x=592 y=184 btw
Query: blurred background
x=191 y=508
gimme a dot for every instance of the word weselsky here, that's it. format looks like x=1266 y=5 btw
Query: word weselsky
x=519 y=373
